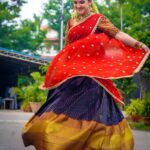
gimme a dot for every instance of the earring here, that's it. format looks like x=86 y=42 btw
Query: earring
x=91 y=8
x=74 y=14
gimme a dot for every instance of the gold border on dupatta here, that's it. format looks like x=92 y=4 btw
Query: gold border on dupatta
x=93 y=77
x=58 y=84
x=94 y=28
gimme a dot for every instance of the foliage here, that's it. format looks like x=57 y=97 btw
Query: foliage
x=7 y=21
x=43 y=68
x=139 y=106
x=28 y=35
x=146 y=105
x=52 y=12
x=139 y=126
x=26 y=106
x=19 y=36
x=135 y=107
x=23 y=80
x=31 y=92
x=127 y=86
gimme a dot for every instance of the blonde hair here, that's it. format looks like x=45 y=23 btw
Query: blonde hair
x=94 y=9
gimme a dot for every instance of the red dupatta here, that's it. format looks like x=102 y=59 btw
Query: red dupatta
x=94 y=55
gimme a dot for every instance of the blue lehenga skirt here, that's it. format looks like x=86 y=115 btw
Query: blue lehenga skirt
x=78 y=115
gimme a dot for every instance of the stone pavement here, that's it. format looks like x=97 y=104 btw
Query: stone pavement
x=11 y=123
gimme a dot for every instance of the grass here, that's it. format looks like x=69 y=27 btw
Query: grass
x=139 y=126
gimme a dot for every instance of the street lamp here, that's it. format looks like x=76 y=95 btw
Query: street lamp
x=62 y=24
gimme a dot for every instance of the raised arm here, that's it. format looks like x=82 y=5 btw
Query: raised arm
x=128 y=40
x=107 y=27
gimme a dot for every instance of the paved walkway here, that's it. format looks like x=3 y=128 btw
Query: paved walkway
x=11 y=123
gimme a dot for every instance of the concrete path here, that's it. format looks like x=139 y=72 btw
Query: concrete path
x=11 y=123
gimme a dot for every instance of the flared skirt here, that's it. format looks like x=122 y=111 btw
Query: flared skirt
x=78 y=115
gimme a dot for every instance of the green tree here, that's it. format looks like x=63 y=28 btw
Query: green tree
x=28 y=35
x=127 y=87
x=52 y=12
x=8 y=13
x=19 y=36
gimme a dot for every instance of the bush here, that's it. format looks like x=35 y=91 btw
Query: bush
x=135 y=107
x=139 y=106
x=31 y=92
x=146 y=105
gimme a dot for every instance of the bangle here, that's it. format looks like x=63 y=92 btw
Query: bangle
x=138 y=45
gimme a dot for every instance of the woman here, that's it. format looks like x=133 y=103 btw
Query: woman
x=81 y=111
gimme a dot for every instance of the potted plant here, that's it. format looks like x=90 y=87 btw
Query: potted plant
x=26 y=107
x=31 y=95
x=146 y=109
x=35 y=95
x=22 y=98
x=134 y=109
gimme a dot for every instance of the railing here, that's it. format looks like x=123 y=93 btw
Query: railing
x=23 y=56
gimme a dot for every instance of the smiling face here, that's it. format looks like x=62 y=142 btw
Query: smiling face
x=82 y=7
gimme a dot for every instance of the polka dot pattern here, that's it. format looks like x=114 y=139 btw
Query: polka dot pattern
x=96 y=56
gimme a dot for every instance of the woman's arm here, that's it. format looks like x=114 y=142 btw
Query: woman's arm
x=128 y=40
x=107 y=27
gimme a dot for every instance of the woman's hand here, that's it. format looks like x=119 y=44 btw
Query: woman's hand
x=141 y=45
x=146 y=48
x=128 y=40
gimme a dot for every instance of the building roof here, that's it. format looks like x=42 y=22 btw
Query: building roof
x=9 y=53
x=14 y=63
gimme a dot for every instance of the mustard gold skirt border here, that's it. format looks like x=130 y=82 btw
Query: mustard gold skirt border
x=60 y=132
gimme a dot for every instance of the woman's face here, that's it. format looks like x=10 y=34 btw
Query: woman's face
x=82 y=7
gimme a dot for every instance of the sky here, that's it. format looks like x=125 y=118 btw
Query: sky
x=31 y=7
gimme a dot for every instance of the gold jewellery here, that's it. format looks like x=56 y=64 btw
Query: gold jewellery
x=79 y=18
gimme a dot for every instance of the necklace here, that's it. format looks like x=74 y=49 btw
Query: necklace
x=80 y=18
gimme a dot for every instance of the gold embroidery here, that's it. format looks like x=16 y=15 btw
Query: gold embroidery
x=98 y=21
x=107 y=27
